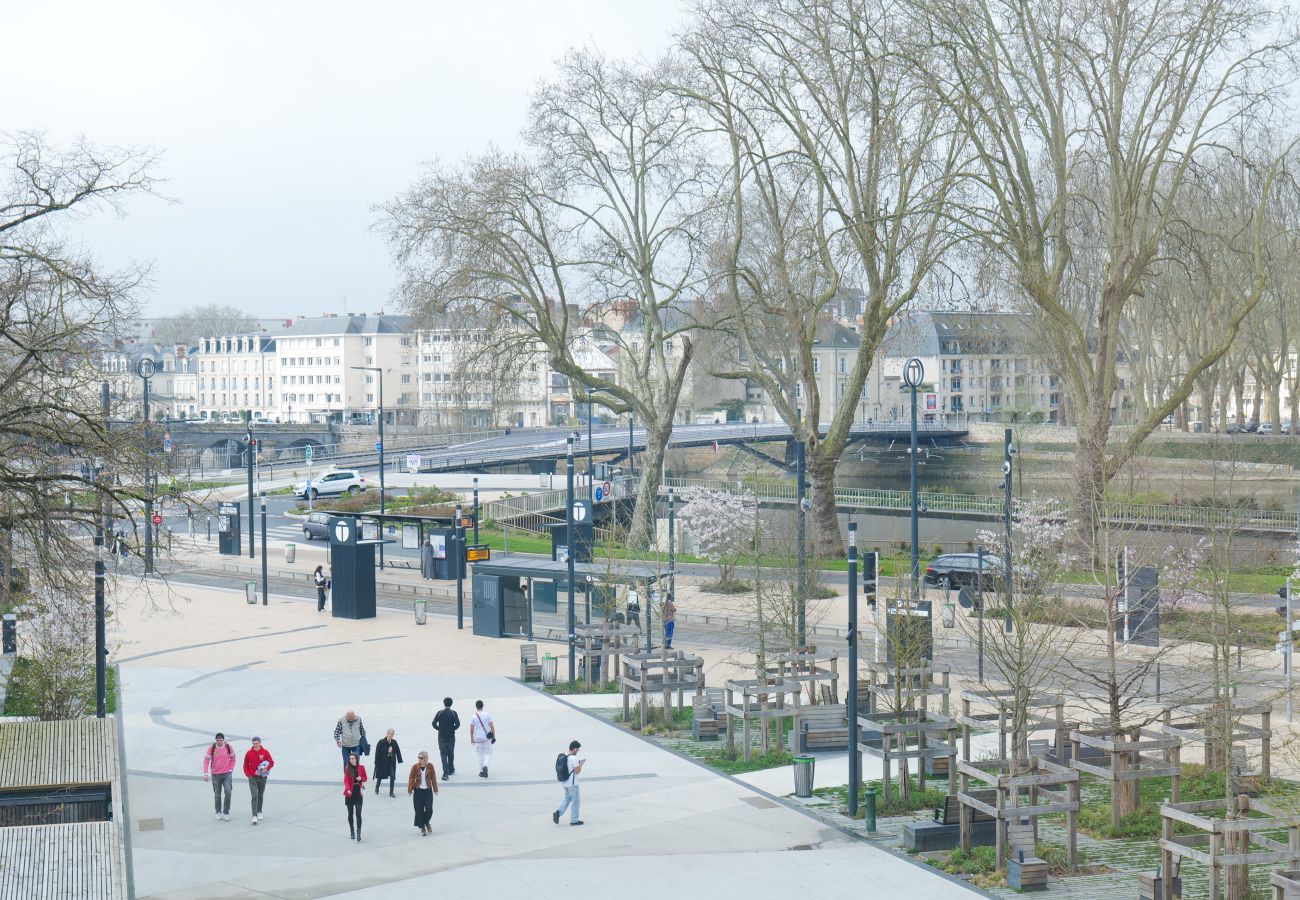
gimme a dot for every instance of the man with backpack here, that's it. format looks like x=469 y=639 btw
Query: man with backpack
x=567 y=769
x=219 y=767
x=446 y=723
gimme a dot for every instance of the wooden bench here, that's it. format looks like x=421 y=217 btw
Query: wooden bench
x=821 y=727
x=705 y=724
x=1026 y=872
x=530 y=669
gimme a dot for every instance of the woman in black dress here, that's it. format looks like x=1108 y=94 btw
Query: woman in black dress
x=388 y=756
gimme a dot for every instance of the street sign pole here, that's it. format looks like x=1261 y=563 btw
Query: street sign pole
x=458 y=540
x=307 y=452
x=252 y=523
x=265 y=579
x=476 y=509
x=1290 y=659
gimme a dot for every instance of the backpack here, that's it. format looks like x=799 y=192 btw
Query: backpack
x=562 y=767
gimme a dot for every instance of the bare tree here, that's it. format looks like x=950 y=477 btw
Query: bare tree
x=209 y=320
x=1107 y=105
x=839 y=166
x=602 y=219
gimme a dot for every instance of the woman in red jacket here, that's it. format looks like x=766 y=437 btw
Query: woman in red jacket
x=354 y=791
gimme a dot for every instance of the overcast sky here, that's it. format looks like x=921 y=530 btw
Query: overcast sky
x=282 y=123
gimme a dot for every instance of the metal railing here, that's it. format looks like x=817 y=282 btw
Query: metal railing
x=1115 y=511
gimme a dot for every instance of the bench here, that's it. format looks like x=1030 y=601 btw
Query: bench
x=1026 y=872
x=821 y=727
x=705 y=724
x=530 y=669
x=944 y=833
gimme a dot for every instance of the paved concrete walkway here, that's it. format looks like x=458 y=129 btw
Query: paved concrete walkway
x=199 y=660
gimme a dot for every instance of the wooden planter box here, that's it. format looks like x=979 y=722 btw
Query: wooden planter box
x=1029 y=874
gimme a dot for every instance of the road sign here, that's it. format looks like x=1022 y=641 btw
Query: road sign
x=413 y=461
x=379 y=445
x=157 y=519
x=600 y=494
x=609 y=489
x=307 y=453
x=579 y=511
x=477 y=553
x=931 y=402
x=167 y=443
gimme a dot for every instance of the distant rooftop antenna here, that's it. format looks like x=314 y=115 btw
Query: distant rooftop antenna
x=345 y=305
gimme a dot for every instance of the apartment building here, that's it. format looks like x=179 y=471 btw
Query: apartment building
x=835 y=348
x=171 y=389
x=338 y=368
x=237 y=373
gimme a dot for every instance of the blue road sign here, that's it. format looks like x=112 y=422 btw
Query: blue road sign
x=600 y=493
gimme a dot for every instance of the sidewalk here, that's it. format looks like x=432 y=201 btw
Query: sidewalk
x=200 y=659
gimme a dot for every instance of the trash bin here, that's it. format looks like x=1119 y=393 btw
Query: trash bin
x=803 y=775
x=550 y=670
x=290 y=552
x=250 y=591
x=420 y=614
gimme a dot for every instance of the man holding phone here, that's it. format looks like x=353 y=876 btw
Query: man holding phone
x=571 y=786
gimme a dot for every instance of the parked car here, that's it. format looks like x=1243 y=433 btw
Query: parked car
x=340 y=481
x=958 y=570
x=1265 y=428
x=317 y=525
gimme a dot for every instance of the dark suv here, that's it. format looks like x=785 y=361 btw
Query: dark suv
x=958 y=570
x=316 y=525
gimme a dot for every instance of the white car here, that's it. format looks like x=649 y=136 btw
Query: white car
x=1265 y=428
x=341 y=481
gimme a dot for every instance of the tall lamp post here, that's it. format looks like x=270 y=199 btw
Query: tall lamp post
x=913 y=376
x=379 y=446
x=145 y=368
x=855 y=760
x=568 y=549
x=801 y=539
x=1007 y=450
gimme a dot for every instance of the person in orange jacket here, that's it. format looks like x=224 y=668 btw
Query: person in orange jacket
x=354 y=792
x=257 y=763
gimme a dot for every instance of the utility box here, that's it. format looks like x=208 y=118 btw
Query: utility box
x=499 y=606
x=352 y=563
x=228 y=528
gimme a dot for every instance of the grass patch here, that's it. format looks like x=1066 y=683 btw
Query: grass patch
x=930 y=798
x=422 y=502
x=731 y=586
x=21 y=699
x=1257 y=631
x=976 y=861
x=578 y=687
x=716 y=756
x=1198 y=784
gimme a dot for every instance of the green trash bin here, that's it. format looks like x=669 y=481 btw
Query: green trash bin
x=804 y=766
x=290 y=552
x=420 y=611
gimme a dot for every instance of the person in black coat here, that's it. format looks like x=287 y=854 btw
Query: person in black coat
x=388 y=756
x=446 y=722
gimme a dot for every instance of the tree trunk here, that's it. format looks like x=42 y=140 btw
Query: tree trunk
x=826 y=542
x=1090 y=472
x=641 y=535
x=1239 y=394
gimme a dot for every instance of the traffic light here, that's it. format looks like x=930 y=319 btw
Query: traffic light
x=870 y=564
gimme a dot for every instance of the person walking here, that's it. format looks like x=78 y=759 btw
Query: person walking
x=322 y=585
x=350 y=735
x=219 y=768
x=482 y=734
x=421 y=785
x=257 y=765
x=570 y=766
x=670 y=621
x=388 y=756
x=446 y=723
x=354 y=792
x=634 y=609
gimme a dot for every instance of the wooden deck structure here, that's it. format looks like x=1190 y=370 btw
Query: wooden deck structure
x=1042 y=788
x=898 y=702
x=1138 y=753
x=663 y=672
x=71 y=843
x=759 y=701
x=1285 y=885
x=1195 y=725
x=1228 y=846
x=984 y=709
x=600 y=644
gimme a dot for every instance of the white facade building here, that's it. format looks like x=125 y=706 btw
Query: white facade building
x=237 y=374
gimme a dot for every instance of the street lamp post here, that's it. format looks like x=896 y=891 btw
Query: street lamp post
x=265 y=579
x=855 y=761
x=1007 y=450
x=251 y=449
x=913 y=375
x=145 y=368
x=801 y=539
x=458 y=545
x=379 y=446
x=568 y=548
x=591 y=466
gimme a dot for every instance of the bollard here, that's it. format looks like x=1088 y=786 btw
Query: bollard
x=1238 y=649
x=209 y=529
x=869 y=812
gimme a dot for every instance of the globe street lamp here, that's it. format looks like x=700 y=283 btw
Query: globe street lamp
x=913 y=376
